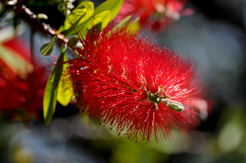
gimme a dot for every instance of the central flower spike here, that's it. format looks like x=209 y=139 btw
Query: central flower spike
x=156 y=98
x=133 y=79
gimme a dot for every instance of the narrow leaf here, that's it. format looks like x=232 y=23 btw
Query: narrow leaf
x=121 y=24
x=133 y=26
x=51 y=89
x=58 y=67
x=65 y=87
x=49 y=101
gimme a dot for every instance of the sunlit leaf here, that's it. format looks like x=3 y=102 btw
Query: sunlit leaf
x=65 y=87
x=104 y=18
x=110 y=5
x=133 y=26
x=121 y=24
x=78 y=17
x=51 y=89
x=47 y=48
x=83 y=17
x=99 y=21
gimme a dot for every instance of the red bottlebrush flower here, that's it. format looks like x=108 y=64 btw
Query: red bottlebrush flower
x=154 y=13
x=132 y=85
x=22 y=81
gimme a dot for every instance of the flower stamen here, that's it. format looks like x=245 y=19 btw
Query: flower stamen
x=155 y=98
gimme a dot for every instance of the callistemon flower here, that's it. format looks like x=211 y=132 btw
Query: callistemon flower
x=133 y=85
x=154 y=13
x=22 y=81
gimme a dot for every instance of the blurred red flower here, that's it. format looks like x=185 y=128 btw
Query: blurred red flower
x=134 y=86
x=22 y=81
x=155 y=13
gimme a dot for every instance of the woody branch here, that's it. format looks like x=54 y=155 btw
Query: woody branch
x=30 y=18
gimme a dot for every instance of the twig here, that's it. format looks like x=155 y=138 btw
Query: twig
x=29 y=17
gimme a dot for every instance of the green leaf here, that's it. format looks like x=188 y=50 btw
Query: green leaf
x=79 y=16
x=104 y=18
x=98 y=22
x=47 y=48
x=49 y=101
x=83 y=17
x=97 y=27
x=65 y=87
x=59 y=66
x=110 y=5
x=121 y=24
x=133 y=26
x=72 y=42
x=51 y=89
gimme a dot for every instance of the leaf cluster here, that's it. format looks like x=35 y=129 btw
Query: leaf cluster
x=82 y=19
